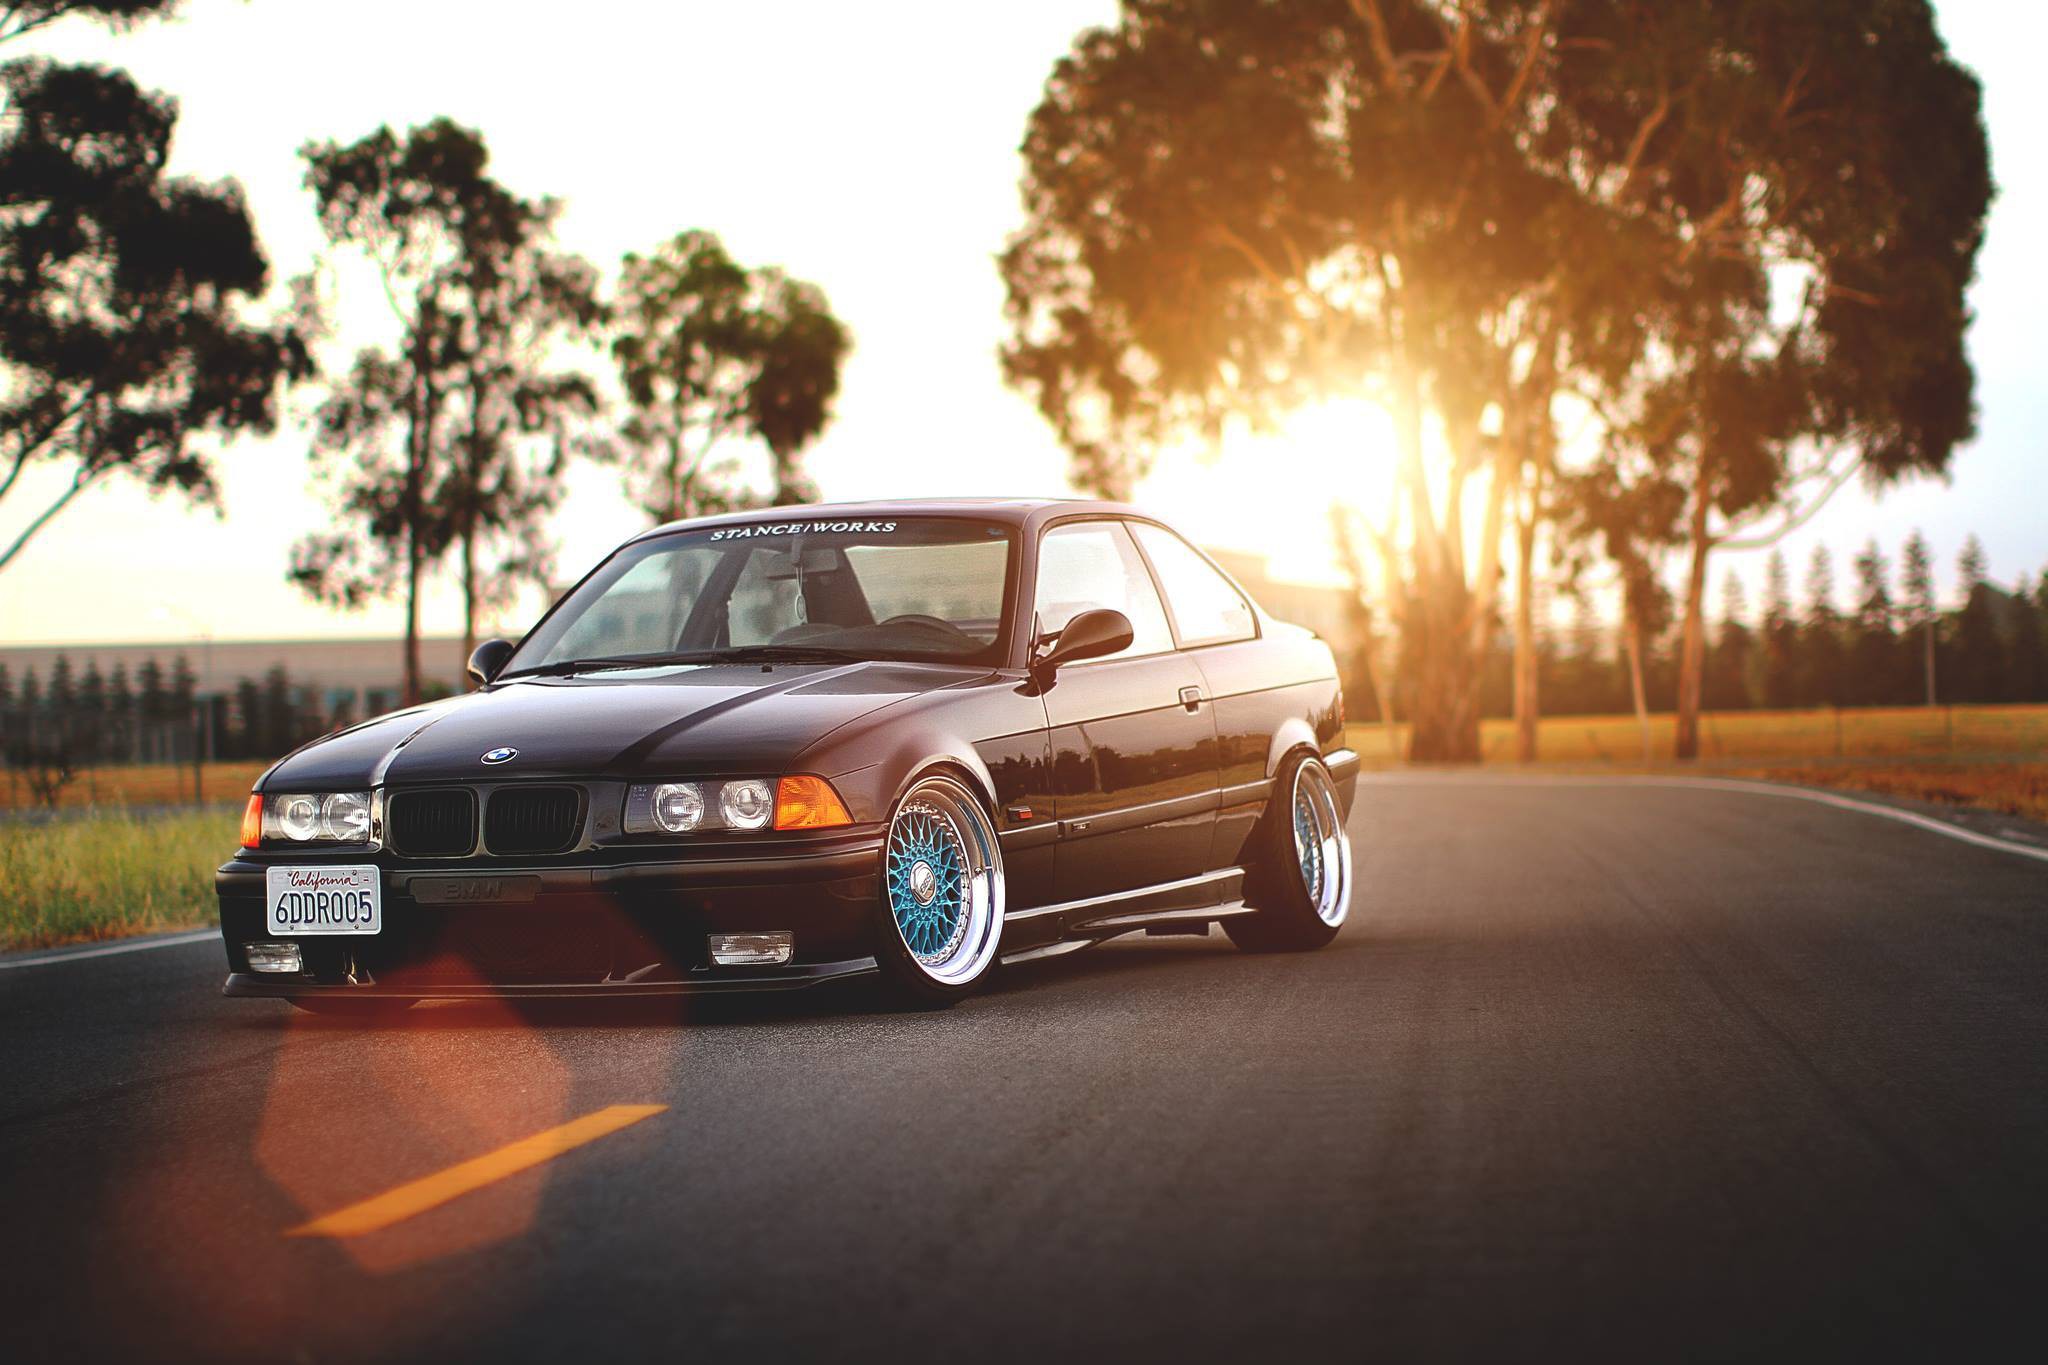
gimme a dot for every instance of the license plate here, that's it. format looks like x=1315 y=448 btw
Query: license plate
x=322 y=900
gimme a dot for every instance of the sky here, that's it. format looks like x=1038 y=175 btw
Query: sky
x=870 y=149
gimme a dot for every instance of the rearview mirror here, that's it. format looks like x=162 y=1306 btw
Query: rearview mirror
x=489 y=660
x=1089 y=635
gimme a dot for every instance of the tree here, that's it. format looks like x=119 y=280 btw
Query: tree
x=1978 y=662
x=441 y=235
x=1821 y=638
x=515 y=407
x=1782 y=666
x=123 y=292
x=707 y=351
x=1920 y=613
x=1234 y=208
x=150 y=699
x=1874 y=674
x=1828 y=143
x=2026 y=650
x=1731 y=660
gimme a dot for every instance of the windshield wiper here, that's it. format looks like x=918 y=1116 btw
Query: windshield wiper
x=564 y=667
x=766 y=654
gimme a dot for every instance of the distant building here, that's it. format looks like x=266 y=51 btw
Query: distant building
x=362 y=677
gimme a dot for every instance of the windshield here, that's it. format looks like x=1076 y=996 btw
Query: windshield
x=912 y=588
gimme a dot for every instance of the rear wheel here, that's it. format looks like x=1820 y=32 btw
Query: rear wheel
x=942 y=894
x=1301 y=884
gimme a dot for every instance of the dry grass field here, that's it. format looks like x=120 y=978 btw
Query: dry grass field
x=1948 y=732
x=221 y=784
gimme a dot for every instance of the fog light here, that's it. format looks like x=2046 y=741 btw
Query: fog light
x=753 y=950
x=272 y=957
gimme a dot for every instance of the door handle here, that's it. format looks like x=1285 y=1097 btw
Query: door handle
x=1191 y=698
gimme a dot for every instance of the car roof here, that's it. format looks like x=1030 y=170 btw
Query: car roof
x=1014 y=511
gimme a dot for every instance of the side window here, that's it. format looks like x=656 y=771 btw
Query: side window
x=1206 y=607
x=1093 y=564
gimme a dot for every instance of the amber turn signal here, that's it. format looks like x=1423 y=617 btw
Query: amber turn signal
x=808 y=803
x=252 y=822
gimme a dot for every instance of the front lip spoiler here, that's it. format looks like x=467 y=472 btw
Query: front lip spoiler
x=251 y=986
x=244 y=876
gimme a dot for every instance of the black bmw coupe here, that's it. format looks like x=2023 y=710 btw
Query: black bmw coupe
x=790 y=746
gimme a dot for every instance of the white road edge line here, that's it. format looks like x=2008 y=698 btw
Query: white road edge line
x=1968 y=836
x=110 y=950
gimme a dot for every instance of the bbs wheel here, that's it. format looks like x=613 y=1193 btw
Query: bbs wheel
x=942 y=894
x=1302 y=882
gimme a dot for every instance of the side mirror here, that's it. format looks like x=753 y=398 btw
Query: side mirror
x=1090 y=635
x=489 y=658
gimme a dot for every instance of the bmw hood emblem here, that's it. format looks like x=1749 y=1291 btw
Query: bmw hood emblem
x=501 y=755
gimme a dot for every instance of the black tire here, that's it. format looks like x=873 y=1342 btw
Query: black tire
x=943 y=943
x=1300 y=879
x=339 y=1007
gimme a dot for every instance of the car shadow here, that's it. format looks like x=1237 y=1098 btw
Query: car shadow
x=832 y=1000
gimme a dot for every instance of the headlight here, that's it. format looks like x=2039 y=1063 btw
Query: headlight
x=325 y=818
x=678 y=806
x=746 y=805
x=743 y=804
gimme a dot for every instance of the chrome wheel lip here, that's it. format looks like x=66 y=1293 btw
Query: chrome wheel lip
x=1322 y=847
x=943 y=810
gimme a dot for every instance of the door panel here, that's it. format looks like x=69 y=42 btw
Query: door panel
x=1134 y=768
x=1133 y=735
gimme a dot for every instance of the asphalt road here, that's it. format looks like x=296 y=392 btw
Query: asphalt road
x=1595 y=1071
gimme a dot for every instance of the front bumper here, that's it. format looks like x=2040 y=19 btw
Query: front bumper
x=635 y=925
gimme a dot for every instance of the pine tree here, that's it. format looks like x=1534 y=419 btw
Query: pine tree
x=149 y=692
x=2026 y=651
x=1874 y=673
x=1921 y=617
x=1732 y=659
x=1821 y=639
x=1781 y=637
x=1979 y=652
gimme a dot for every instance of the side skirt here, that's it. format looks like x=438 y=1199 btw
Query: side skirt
x=1076 y=924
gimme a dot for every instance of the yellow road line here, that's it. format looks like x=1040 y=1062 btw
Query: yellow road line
x=417 y=1196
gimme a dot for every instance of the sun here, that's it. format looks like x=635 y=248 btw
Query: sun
x=1271 y=492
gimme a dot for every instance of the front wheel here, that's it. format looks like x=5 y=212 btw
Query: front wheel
x=942 y=894
x=1301 y=883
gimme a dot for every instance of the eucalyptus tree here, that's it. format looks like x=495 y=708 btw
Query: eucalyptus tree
x=710 y=352
x=1818 y=171
x=410 y=469
x=519 y=408
x=126 y=341
x=1236 y=207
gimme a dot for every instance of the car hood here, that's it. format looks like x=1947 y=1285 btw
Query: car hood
x=680 y=720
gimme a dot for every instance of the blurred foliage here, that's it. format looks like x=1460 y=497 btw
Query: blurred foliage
x=709 y=350
x=124 y=340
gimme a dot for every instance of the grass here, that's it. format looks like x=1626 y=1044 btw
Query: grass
x=156 y=785
x=1984 y=732
x=109 y=874
x=2008 y=788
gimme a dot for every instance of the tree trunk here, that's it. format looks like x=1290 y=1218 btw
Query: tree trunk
x=468 y=591
x=1633 y=633
x=1443 y=722
x=1692 y=651
x=1526 y=712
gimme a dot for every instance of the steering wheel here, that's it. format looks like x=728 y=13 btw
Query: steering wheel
x=923 y=622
